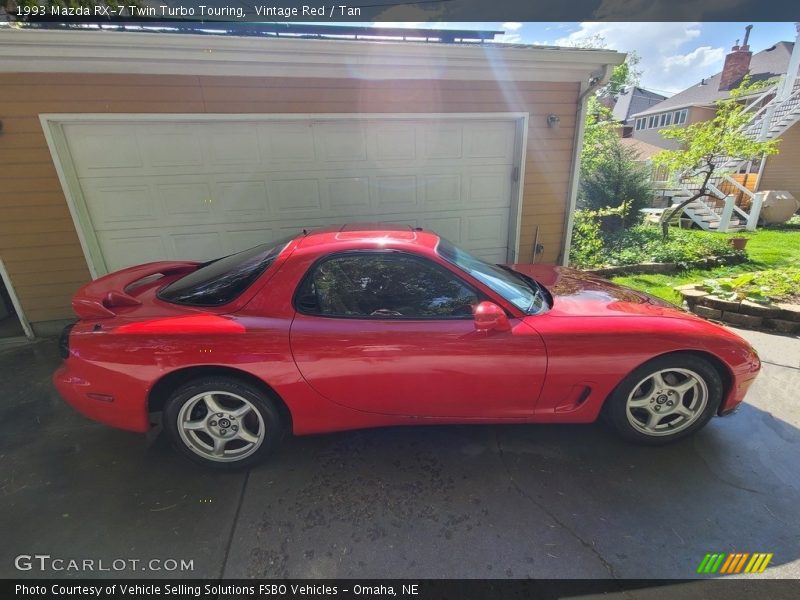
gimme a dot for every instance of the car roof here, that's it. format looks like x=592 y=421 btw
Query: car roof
x=369 y=233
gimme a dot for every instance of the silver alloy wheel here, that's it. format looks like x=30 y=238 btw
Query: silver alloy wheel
x=221 y=426
x=666 y=402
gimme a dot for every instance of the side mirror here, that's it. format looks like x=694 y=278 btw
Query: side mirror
x=489 y=316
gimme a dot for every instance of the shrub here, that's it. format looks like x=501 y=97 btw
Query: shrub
x=586 y=250
x=619 y=177
x=644 y=243
x=759 y=286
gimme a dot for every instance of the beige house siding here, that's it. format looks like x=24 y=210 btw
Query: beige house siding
x=782 y=171
x=38 y=241
x=653 y=136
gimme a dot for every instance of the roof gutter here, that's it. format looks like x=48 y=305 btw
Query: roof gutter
x=45 y=51
x=587 y=88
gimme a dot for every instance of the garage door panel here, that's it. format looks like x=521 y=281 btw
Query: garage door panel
x=199 y=190
x=119 y=205
x=348 y=194
x=191 y=200
x=170 y=146
x=395 y=192
x=201 y=245
x=241 y=199
x=124 y=249
x=395 y=142
x=449 y=227
x=101 y=148
x=237 y=240
x=439 y=191
x=287 y=142
x=340 y=142
x=492 y=189
x=485 y=228
x=489 y=140
x=293 y=196
x=442 y=141
x=233 y=146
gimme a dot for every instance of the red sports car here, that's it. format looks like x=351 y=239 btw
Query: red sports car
x=374 y=325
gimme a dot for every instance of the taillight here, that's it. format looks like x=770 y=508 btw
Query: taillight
x=63 y=341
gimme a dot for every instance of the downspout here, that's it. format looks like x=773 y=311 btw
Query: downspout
x=586 y=88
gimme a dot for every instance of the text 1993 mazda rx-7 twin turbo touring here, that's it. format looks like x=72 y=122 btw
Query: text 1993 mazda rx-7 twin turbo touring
x=374 y=325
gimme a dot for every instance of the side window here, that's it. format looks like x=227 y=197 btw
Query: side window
x=387 y=286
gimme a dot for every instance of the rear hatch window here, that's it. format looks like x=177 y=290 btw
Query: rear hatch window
x=221 y=281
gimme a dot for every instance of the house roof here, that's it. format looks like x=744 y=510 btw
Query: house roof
x=635 y=99
x=27 y=50
x=766 y=64
x=645 y=150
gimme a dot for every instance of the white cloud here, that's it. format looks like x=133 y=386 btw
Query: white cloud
x=511 y=26
x=508 y=38
x=668 y=60
x=636 y=36
x=704 y=56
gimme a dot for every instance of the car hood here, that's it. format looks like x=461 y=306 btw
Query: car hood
x=579 y=294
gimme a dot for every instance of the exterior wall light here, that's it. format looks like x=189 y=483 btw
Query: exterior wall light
x=553 y=121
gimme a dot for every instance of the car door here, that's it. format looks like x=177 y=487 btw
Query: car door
x=392 y=333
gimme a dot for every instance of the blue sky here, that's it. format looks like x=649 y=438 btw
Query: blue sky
x=673 y=55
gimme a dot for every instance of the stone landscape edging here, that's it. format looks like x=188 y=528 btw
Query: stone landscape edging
x=779 y=317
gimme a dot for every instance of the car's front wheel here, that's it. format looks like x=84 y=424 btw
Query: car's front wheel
x=222 y=423
x=665 y=399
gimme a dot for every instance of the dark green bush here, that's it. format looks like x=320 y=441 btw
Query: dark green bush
x=620 y=177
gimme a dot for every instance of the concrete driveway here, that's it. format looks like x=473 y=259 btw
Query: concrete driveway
x=473 y=502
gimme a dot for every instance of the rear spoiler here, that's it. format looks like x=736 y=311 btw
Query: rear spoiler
x=97 y=299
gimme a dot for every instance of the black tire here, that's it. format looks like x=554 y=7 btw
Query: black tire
x=616 y=406
x=262 y=421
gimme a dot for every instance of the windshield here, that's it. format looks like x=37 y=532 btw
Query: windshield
x=220 y=281
x=523 y=292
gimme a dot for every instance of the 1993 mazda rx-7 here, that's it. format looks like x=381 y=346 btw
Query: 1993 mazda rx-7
x=375 y=325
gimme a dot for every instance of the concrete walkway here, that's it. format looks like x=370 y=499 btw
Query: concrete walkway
x=533 y=501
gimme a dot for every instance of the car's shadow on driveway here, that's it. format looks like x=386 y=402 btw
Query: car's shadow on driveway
x=500 y=501
x=520 y=501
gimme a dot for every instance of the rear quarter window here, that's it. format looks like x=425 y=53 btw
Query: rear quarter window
x=221 y=281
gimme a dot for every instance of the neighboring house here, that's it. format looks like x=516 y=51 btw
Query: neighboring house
x=697 y=102
x=775 y=112
x=644 y=151
x=120 y=148
x=659 y=175
x=632 y=101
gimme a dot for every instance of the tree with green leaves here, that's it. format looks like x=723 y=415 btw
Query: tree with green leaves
x=610 y=173
x=705 y=145
x=622 y=77
x=617 y=179
x=600 y=134
x=601 y=131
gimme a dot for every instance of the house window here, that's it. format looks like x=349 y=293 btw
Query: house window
x=652 y=122
x=641 y=123
x=680 y=116
x=664 y=119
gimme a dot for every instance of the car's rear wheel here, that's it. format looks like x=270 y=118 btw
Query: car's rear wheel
x=222 y=423
x=665 y=399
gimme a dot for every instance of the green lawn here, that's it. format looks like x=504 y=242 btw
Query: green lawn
x=766 y=249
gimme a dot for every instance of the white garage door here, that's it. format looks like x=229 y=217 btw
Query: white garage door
x=197 y=190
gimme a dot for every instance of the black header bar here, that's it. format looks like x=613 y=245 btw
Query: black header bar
x=429 y=11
